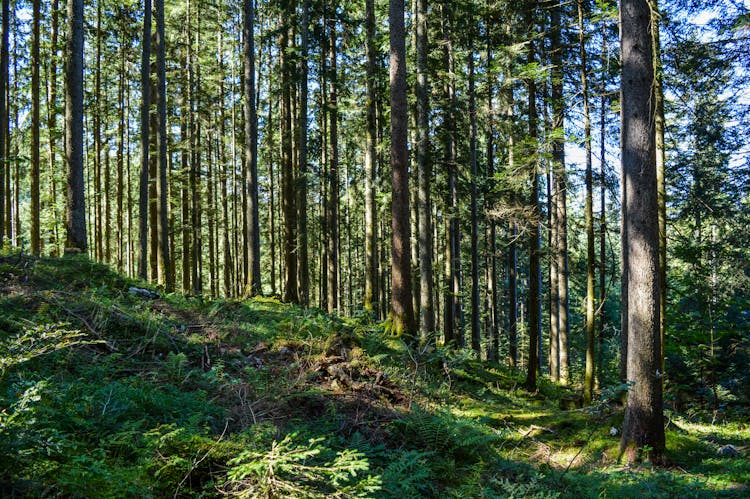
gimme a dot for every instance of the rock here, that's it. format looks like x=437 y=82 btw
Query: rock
x=727 y=451
x=144 y=293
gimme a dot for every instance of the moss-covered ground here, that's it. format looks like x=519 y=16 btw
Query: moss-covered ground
x=106 y=393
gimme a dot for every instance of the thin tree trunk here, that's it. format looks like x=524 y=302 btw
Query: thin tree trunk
x=660 y=178
x=287 y=175
x=121 y=244
x=371 y=245
x=424 y=168
x=401 y=300
x=36 y=239
x=588 y=380
x=145 y=139
x=334 y=250
x=251 y=151
x=534 y=250
x=4 y=172
x=303 y=252
x=51 y=130
x=475 y=311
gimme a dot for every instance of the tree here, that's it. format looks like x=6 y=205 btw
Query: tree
x=76 y=205
x=36 y=240
x=424 y=169
x=161 y=149
x=402 y=313
x=145 y=109
x=251 y=150
x=534 y=249
x=643 y=427
x=588 y=380
x=303 y=265
x=371 y=244
x=4 y=173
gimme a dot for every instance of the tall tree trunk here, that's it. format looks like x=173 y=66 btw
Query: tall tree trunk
x=302 y=250
x=401 y=300
x=534 y=250
x=371 y=245
x=492 y=277
x=476 y=344
x=145 y=139
x=453 y=333
x=121 y=239
x=185 y=176
x=334 y=250
x=287 y=174
x=76 y=205
x=512 y=249
x=51 y=130
x=161 y=149
x=36 y=240
x=558 y=164
x=424 y=168
x=588 y=380
x=660 y=177
x=603 y=202
x=4 y=172
x=643 y=425
x=251 y=151
x=98 y=113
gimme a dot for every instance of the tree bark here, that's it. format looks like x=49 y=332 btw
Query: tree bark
x=36 y=239
x=76 y=202
x=424 y=168
x=251 y=151
x=643 y=425
x=145 y=110
x=161 y=149
x=371 y=300
x=402 y=306
x=476 y=344
x=303 y=251
x=588 y=380
x=534 y=250
x=334 y=250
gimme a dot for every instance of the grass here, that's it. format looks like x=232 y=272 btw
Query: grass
x=121 y=396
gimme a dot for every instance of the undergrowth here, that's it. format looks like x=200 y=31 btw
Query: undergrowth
x=104 y=393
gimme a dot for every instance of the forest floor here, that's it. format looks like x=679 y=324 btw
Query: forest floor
x=109 y=392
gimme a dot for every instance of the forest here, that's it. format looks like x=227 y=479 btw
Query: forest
x=438 y=248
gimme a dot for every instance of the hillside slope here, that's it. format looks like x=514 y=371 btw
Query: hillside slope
x=108 y=391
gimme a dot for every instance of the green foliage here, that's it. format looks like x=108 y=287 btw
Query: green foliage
x=301 y=469
x=445 y=434
x=188 y=397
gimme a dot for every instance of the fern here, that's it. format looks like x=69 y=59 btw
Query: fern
x=445 y=434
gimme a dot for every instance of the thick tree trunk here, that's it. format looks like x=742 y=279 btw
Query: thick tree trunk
x=401 y=300
x=643 y=426
x=76 y=203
